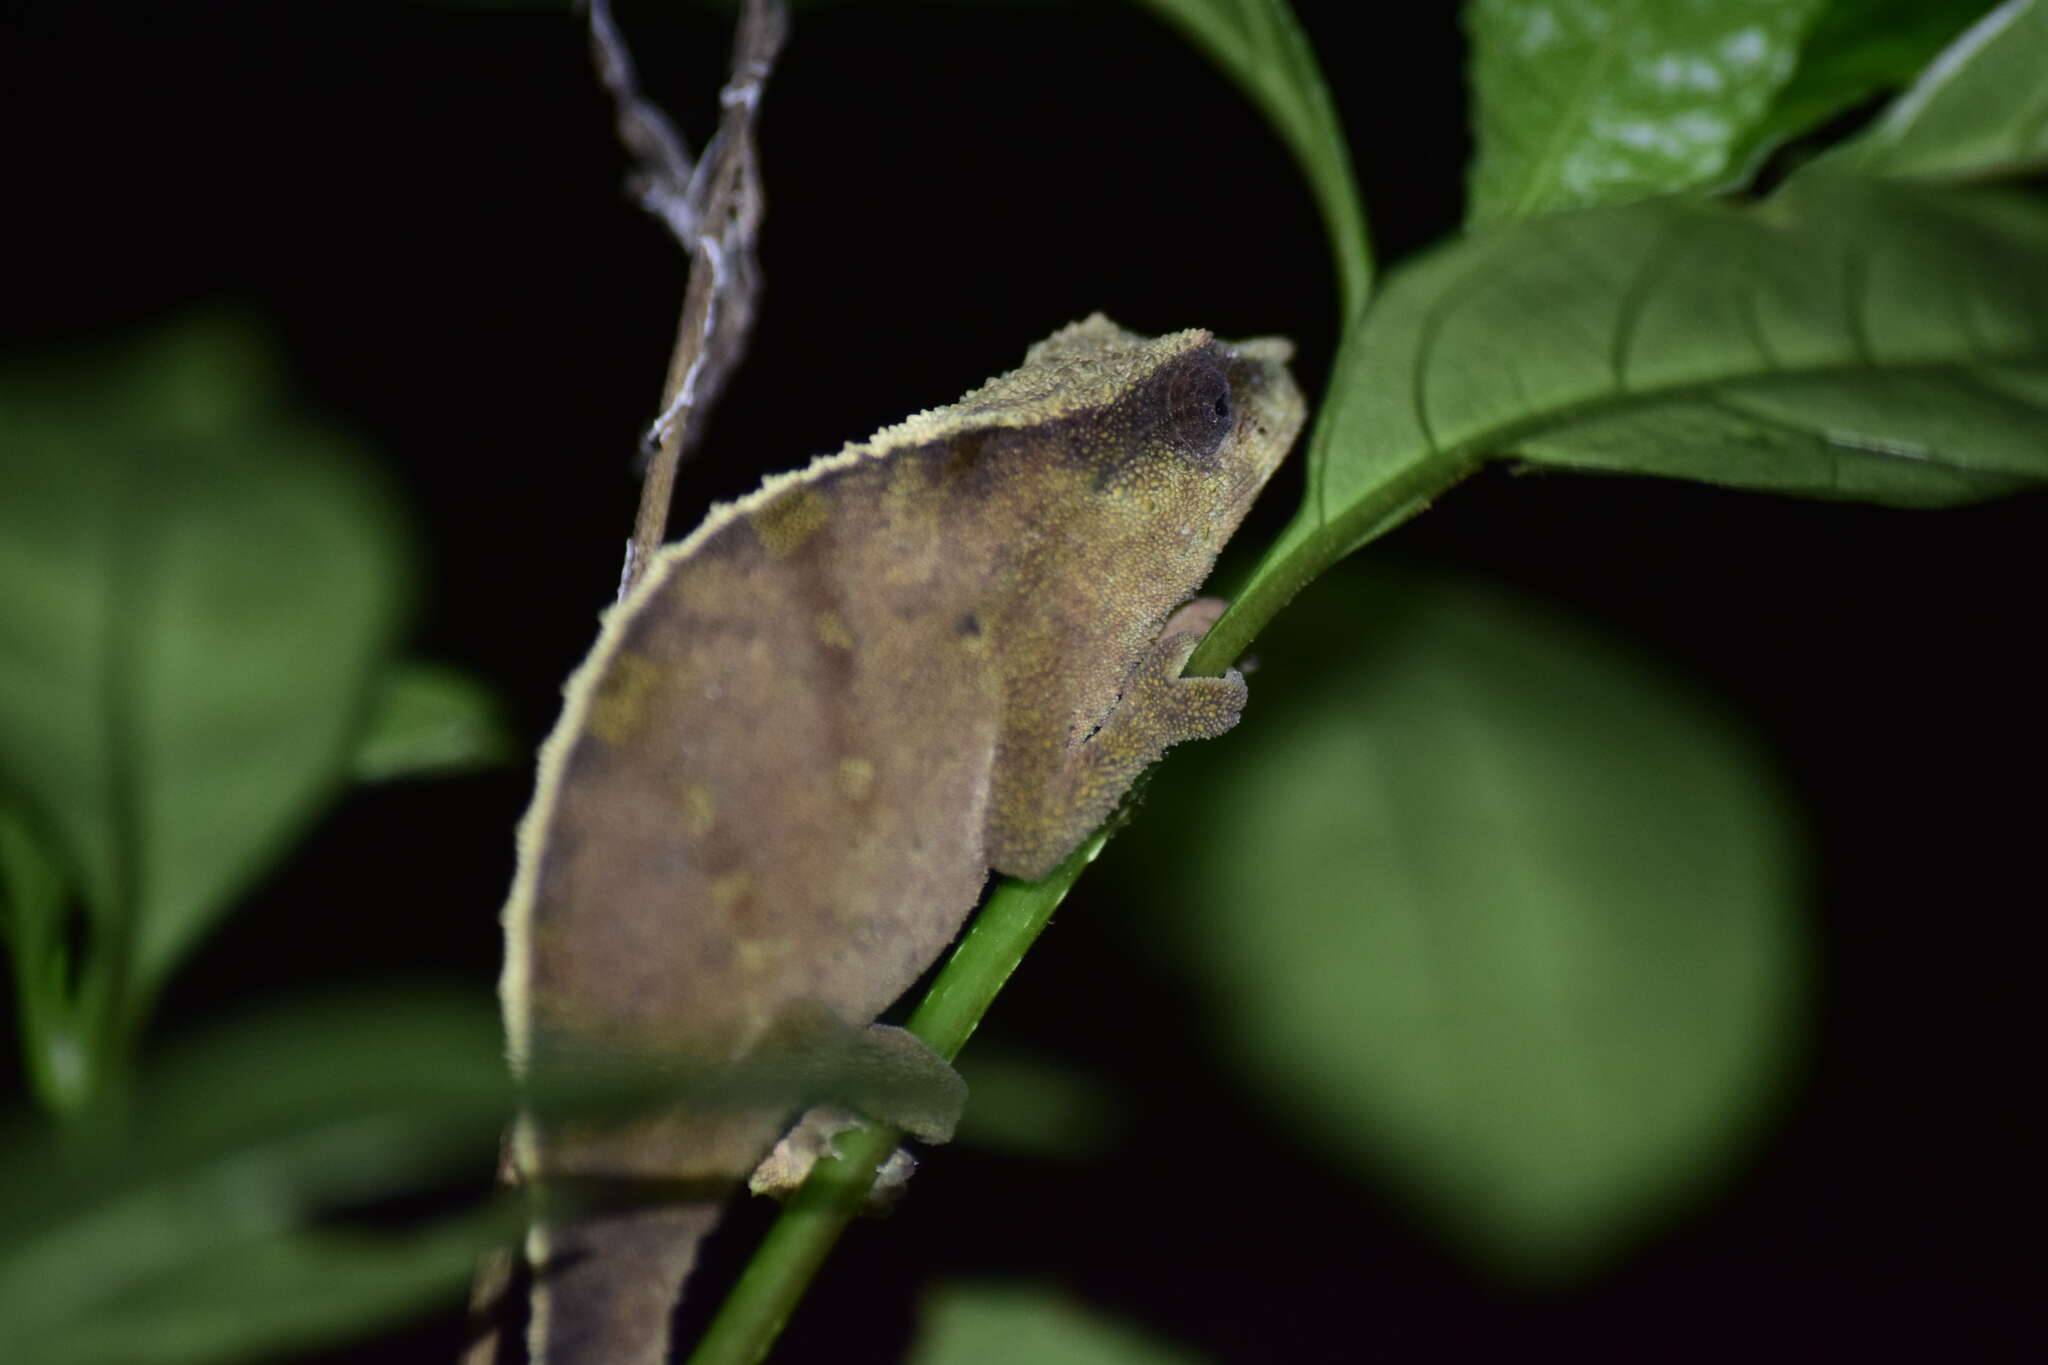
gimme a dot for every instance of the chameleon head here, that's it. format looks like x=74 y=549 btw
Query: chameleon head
x=1177 y=433
x=1209 y=427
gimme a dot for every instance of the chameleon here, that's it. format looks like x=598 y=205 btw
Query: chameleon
x=806 y=736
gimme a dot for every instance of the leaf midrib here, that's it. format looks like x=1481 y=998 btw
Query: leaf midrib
x=1567 y=129
x=1486 y=444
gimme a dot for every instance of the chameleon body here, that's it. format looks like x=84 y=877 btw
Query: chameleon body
x=806 y=736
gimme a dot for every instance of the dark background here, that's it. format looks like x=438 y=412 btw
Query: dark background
x=422 y=205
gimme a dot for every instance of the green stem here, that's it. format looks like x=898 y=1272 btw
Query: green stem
x=1310 y=546
x=59 y=1017
x=1333 y=182
x=49 y=1041
x=1259 y=44
x=752 y=1315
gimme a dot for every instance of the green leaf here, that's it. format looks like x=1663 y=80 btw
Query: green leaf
x=1980 y=108
x=427 y=720
x=1819 y=323
x=1585 y=102
x=196 y=1230
x=1490 y=910
x=1857 y=48
x=1259 y=44
x=989 y=1324
x=196 y=589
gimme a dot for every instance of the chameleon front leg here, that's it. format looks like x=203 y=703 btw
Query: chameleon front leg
x=1157 y=709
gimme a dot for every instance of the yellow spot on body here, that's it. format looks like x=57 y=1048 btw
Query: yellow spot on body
x=832 y=630
x=787 y=522
x=700 y=808
x=854 y=777
x=727 y=890
x=619 y=703
x=758 y=955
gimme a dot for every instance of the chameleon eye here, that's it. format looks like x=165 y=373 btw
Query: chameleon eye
x=1198 y=409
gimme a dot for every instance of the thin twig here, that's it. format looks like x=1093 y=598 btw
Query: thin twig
x=713 y=209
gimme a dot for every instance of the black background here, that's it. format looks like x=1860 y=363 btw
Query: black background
x=422 y=204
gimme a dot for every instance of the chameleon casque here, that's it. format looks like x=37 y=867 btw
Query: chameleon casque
x=805 y=737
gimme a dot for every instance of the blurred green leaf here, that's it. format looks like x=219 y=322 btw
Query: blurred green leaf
x=203 y=1228
x=191 y=1232
x=196 y=589
x=1979 y=109
x=1856 y=49
x=264 y=1081
x=1034 y=1106
x=427 y=719
x=989 y=1324
x=250 y=1131
x=1490 y=909
x=1584 y=102
x=812 y=1058
x=1846 y=338
x=284 y=1295
x=1259 y=44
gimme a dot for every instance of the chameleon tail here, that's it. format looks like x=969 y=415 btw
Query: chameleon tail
x=605 y=1284
x=604 y=1287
